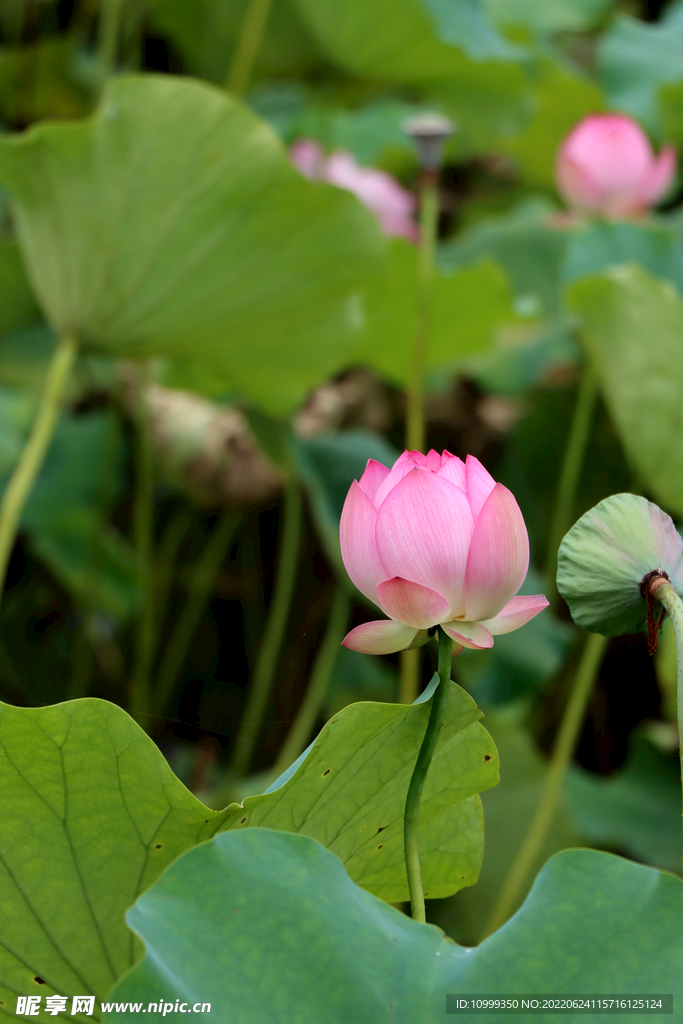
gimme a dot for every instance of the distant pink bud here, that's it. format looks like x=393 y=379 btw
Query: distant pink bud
x=606 y=166
x=435 y=541
x=393 y=206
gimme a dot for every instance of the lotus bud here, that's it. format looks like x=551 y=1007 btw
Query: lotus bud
x=435 y=541
x=606 y=166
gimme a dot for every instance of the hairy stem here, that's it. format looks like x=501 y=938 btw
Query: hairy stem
x=312 y=703
x=570 y=473
x=143 y=533
x=36 y=446
x=661 y=589
x=276 y=622
x=248 y=44
x=567 y=737
x=417 y=781
x=201 y=583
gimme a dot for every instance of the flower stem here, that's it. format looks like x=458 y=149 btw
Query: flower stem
x=572 y=720
x=34 y=451
x=201 y=583
x=109 y=30
x=661 y=589
x=317 y=688
x=143 y=531
x=251 y=34
x=429 y=217
x=570 y=473
x=411 y=661
x=417 y=781
x=271 y=641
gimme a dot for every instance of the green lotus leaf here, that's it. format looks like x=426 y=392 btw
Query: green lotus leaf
x=93 y=814
x=172 y=223
x=606 y=554
x=269 y=927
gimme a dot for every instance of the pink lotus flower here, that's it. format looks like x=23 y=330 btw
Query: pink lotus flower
x=435 y=541
x=392 y=205
x=606 y=166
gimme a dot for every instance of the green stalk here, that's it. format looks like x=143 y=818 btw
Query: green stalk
x=143 y=533
x=36 y=446
x=200 y=586
x=661 y=589
x=417 y=781
x=570 y=473
x=251 y=34
x=567 y=737
x=273 y=634
x=109 y=30
x=429 y=218
x=411 y=661
x=312 y=703
x=165 y=559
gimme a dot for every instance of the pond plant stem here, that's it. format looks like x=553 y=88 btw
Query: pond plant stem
x=143 y=537
x=248 y=45
x=411 y=661
x=109 y=31
x=661 y=590
x=199 y=587
x=36 y=446
x=570 y=473
x=276 y=622
x=565 y=744
x=417 y=781
x=312 y=704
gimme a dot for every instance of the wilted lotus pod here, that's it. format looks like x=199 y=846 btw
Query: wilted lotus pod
x=605 y=560
x=208 y=450
x=606 y=166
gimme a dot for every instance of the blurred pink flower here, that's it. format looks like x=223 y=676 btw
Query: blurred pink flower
x=393 y=206
x=435 y=541
x=606 y=165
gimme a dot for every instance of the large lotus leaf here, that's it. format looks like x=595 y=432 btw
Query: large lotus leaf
x=549 y=16
x=470 y=304
x=530 y=251
x=632 y=325
x=635 y=59
x=598 y=245
x=606 y=555
x=265 y=926
x=405 y=40
x=172 y=223
x=93 y=814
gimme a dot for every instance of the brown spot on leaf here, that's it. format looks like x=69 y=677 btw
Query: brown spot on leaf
x=39 y=981
x=327 y=772
x=487 y=757
x=243 y=821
